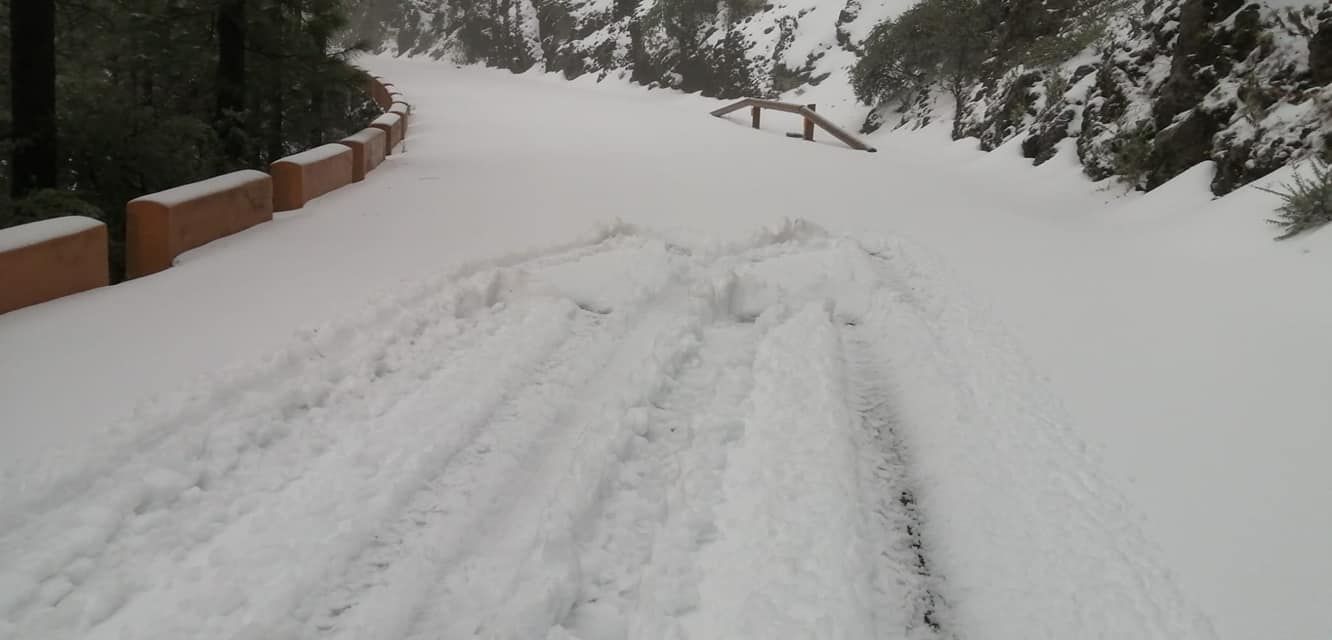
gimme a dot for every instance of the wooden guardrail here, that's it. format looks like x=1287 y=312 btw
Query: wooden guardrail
x=808 y=112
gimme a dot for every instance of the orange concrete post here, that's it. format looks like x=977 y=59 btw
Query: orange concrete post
x=300 y=178
x=754 y=114
x=378 y=92
x=391 y=123
x=403 y=110
x=49 y=259
x=369 y=146
x=163 y=225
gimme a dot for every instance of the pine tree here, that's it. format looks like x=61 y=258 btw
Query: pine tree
x=32 y=70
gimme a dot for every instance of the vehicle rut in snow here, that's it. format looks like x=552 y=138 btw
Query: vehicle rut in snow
x=629 y=439
x=906 y=553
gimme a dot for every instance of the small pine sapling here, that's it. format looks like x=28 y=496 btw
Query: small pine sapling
x=1306 y=202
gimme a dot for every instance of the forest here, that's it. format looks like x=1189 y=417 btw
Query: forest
x=112 y=99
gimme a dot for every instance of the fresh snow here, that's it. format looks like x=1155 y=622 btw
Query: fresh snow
x=26 y=235
x=365 y=136
x=459 y=399
x=224 y=182
x=388 y=119
x=318 y=154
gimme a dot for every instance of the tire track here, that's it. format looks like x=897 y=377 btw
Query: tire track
x=639 y=566
x=528 y=453
x=474 y=502
x=172 y=419
x=198 y=496
x=905 y=570
x=434 y=525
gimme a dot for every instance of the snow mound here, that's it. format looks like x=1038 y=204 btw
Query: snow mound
x=802 y=435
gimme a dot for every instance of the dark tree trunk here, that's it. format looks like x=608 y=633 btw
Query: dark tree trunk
x=274 y=99
x=318 y=89
x=32 y=98
x=231 y=76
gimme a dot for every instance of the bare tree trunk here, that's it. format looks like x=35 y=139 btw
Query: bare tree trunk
x=318 y=88
x=33 y=95
x=231 y=76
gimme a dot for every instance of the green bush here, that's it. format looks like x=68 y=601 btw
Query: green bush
x=1306 y=203
x=1085 y=24
x=51 y=203
x=934 y=41
x=1131 y=153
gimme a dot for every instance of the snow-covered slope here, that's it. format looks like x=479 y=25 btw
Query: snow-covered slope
x=1246 y=86
x=734 y=48
x=1147 y=88
x=491 y=438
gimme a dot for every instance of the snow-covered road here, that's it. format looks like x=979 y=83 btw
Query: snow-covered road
x=631 y=436
x=243 y=445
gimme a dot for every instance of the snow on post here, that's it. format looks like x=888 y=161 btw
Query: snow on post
x=300 y=178
x=392 y=124
x=49 y=259
x=163 y=225
x=403 y=110
x=369 y=146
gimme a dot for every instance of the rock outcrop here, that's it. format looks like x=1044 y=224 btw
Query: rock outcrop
x=1170 y=84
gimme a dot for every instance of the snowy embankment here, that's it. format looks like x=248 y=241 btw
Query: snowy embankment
x=497 y=446
x=808 y=436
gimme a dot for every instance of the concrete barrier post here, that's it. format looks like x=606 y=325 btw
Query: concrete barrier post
x=163 y=225
x=391 y=124
x=300 y=178
x=404 y=111
x=369 y=146
x=50 y=259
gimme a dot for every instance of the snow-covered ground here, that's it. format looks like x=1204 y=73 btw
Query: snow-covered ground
x=458 y=399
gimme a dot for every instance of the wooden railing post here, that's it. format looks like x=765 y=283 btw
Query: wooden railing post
x=808 y=112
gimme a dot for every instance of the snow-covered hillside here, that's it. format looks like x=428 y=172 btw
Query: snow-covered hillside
x=734 y=48
x=1147 y=88
x=965 y=398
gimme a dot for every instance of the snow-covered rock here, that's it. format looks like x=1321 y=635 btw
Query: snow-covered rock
x=1170 y=85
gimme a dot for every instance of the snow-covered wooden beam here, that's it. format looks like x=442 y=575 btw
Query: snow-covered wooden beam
x=812 y=119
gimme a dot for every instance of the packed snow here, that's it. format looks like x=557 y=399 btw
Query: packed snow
x=460 y=399
x=26 y=235
x=225 y=182
x=318 y=154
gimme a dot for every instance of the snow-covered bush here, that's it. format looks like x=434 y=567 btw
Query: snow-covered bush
x=1306 y=202
x=936 y=41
